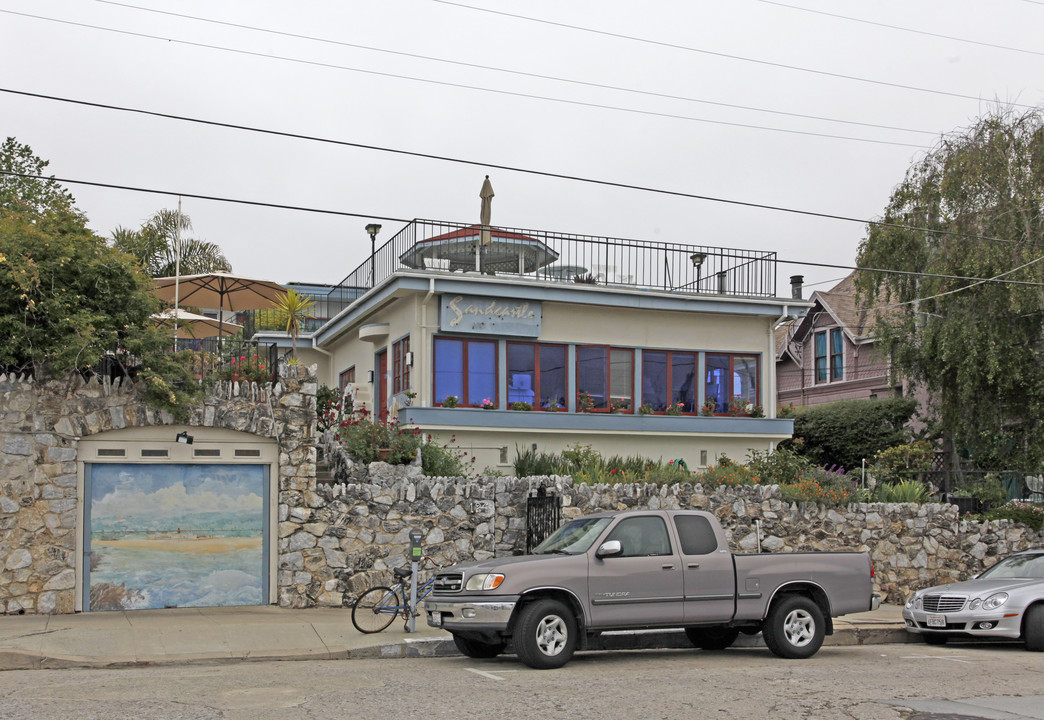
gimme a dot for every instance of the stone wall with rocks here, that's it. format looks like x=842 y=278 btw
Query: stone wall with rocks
x=41 y=425
x=361 y=531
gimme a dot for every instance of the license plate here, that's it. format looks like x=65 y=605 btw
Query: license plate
x=937 y=621
x=435 y=619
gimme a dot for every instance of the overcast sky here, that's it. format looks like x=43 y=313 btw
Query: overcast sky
x=443 y=78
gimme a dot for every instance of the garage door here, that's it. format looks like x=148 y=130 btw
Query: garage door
x=175 y=535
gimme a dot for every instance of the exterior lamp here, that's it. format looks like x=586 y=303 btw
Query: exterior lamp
x=697 y=262
x=184 y=438
x=372 y=229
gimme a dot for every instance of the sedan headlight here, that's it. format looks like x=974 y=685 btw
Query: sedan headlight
x=485 y=581
x=994 y=601
x=914 y=601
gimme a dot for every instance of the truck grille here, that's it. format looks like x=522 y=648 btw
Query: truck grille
x=943 y=603
x=448 y=582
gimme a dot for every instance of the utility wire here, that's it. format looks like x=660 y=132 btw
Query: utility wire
x=497 y=166
x=463 y=86
x=509 y=71
x=902 y=29
x=688 y=48
x=302 y=208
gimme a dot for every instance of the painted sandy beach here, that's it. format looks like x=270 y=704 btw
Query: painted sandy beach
x=205 y=545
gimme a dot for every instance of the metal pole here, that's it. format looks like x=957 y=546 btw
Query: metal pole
x=412 y=622
x=177 y=271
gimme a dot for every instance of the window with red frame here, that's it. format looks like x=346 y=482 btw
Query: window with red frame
x=465 y=369
x=669 y=378
x=536 y=374
x=605 y=375
x=728 y=377
x=346 y=376
x=400 y=370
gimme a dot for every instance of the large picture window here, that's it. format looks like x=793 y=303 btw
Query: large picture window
x=606 y=375
x=465 y=369
x=731 y=376
x=346 y=377
x=400 y=370
x=669 y=378
x=536 y=374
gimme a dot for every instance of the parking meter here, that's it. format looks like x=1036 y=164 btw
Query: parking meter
x=416 y=553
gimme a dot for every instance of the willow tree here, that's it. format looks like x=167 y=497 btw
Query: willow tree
x=971 y=210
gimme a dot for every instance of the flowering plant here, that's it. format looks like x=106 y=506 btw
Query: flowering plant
x=584 y=401
x=616 y=406
x=450 y=401
x=520 y=405
x=246 y=369
x=645 y=409
x=675 y=408
x=741 y=406
x=488 y=404
x=710 y=405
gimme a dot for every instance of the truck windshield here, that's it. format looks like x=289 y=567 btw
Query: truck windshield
x=573 y=537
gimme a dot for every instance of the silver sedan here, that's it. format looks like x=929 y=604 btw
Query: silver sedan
x=1006 y=601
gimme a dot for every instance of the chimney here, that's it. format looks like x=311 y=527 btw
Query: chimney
x=796 y=281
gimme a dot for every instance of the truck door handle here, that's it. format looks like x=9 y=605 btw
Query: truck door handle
x=667 y=567
x=693 y=566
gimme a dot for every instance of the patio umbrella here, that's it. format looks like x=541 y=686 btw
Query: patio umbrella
x=485 y=214
x=195 y=326
x=220 y=290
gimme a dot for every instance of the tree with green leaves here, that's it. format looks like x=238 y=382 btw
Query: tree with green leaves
x=23 y=186
x=154 y=245
x=293 y=309
x=968 y=323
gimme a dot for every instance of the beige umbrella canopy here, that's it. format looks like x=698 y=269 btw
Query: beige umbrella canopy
x=220 y=290
x=486 y=209
x=193 y=325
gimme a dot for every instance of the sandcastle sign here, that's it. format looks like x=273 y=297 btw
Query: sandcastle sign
x=489 y=315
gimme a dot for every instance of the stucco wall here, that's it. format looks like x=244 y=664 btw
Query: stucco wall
x=41 y=428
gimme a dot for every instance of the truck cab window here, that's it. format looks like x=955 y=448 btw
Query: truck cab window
x=641 y=536
x=696 y=535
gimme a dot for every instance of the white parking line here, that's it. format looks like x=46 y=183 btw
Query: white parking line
x=955 y=658
x=489 y=675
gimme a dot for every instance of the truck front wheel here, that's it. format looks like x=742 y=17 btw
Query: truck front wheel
x=794 y=628
x=545 y=636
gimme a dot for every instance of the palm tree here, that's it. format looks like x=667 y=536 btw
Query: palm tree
x=295 y=309
x=154 y=246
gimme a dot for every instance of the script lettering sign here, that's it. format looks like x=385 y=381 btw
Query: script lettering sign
x=490 y=315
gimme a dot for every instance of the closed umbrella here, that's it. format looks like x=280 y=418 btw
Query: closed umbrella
x=485 y=215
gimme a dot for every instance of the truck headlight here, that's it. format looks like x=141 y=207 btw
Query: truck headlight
x=485 y=581
x=994 y=601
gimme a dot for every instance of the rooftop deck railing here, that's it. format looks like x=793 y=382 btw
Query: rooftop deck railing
x=560 y=257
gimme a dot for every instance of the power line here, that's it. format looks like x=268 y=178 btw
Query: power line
x=302 y=208
x=688 y=48
x=497 y=166
x=902 y=29
x=509 y=71
x=463 y=86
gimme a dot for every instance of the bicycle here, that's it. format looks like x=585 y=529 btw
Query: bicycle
x=378 y=607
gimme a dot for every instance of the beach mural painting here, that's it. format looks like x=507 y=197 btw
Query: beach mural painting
x=176 y=535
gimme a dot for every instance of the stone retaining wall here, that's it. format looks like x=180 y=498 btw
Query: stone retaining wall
x=361 y=531
x=41 y=425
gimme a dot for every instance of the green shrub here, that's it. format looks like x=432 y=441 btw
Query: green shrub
x=902 y=462
x=362 y=438
x=782 y=467
x=530 y=462
x=820 y=486
x=729 y=474
x=325 y=407
x=846 y=432
x=443 y=461
x=904 y=491
x=1026 y=513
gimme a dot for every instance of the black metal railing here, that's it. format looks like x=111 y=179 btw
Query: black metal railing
x=1018 y=484
x=543 y=516
x=566 y=258
x=228 y=359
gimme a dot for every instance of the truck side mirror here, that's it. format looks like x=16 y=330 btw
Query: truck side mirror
x=609 y=548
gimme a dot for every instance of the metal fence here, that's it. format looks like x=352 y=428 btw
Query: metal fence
x=1018 y=484
x=566 y=258
x=238 y=360
x=543 y=516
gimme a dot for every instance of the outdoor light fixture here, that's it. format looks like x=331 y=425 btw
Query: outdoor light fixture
x=184 y=437
x=697 y=259
x=372 y=229
x=369 y=376
x=409 y=359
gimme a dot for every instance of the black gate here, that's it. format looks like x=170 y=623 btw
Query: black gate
x=543 y=516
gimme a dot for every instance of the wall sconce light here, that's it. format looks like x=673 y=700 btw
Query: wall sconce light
x=409 y=359
x=369 y=376
x=184 y=438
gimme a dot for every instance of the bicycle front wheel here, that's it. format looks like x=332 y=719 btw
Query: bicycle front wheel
x=375 y=609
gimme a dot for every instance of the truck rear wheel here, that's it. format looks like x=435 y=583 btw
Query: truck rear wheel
x=545 y=636
x=712 y=638
x=794 y=628
x=477 y=648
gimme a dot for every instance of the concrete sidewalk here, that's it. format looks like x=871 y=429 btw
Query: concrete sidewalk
x=194 y=635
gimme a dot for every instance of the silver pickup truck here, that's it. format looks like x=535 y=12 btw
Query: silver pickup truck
x=646 y=569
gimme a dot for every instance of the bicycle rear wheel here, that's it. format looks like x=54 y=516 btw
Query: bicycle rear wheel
x=375 y=609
